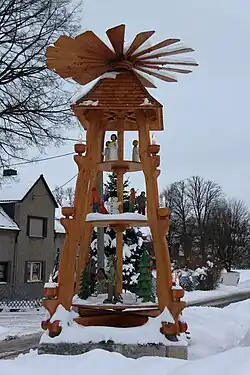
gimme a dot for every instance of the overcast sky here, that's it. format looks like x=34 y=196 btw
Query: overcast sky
x=206 y=114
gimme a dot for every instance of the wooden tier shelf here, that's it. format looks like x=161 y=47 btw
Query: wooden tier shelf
x=117 y=307
x=122 y=221
x=125 y=165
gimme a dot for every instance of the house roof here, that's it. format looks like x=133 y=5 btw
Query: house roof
x=6 y=222
x=16 y=191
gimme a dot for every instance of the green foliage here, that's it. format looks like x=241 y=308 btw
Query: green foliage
x=144 y=285
x=132 y=238
x=111 y=187
x=84 y=292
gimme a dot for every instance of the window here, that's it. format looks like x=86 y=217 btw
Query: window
x=37 y=227
x=34 y=271
x=3 y=272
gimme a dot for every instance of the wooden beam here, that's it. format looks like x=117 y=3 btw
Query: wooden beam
x=163 y=269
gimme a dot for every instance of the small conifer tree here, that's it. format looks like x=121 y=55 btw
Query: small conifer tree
x=84 y=292
x=144 y=285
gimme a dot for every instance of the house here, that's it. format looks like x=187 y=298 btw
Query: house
x=29 y=238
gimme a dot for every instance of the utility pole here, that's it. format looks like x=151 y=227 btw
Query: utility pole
x=100 y=231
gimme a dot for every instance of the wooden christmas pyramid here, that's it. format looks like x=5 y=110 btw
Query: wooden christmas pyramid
x=118 y=101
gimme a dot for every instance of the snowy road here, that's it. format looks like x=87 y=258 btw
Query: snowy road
x=12 y=348
x=14 y=324
x=19 y=332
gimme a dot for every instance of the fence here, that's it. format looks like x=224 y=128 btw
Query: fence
x=23 y=296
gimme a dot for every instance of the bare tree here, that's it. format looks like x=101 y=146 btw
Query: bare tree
x=203 y=196
x=64 y=196
x=33 y=100
x=231 y=232
x=182 y=224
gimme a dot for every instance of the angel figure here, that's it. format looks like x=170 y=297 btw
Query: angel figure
x=153 y=139
x=107 y=151
x=113 y=148
x=135 y=152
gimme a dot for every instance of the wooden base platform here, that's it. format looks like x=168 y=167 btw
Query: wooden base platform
x=115 y=315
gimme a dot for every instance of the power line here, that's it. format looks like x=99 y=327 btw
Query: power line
x=58 y=187
x=38 y=160
x=72 y=178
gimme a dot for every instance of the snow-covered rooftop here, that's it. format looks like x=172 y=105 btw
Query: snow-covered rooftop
x=6 y=222
x=15 y=189
x=58 y=226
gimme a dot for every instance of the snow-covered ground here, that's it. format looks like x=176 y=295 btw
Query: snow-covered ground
x=215 y=330
x=20 y=323
x=99 y=362
x=219 y=344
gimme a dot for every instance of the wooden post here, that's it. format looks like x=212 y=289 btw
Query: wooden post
x=100 y=231
x=76 y=227
x=119 y=233
x=163 y=292
x=94 y=144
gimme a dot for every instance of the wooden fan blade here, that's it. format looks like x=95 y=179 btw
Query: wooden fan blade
x=168 y=53
x=165 y=43
x=90 y=45
x=116 y=37
x=158 y=67
x=138 y=41
x=66 y=64
x=169 y=62
x=145 y=81
x=65 y=42
x=157 y=75
x=87 y=76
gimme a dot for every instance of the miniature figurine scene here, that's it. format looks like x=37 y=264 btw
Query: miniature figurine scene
x=104 y=277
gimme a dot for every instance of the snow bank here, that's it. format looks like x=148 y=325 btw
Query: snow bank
x=99 y=362
x=215 y=330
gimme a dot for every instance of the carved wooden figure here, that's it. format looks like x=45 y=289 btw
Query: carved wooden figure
x=132 y=200
x=135 y=152
x=113 y=148
x=118 y=102
x=141 y=202
x=107 y=151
